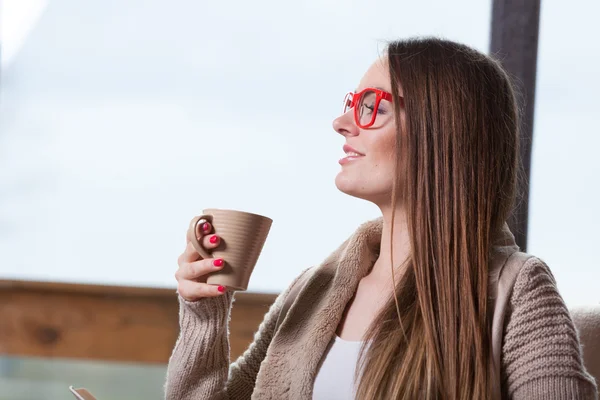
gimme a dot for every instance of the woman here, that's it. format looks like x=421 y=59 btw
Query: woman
x=431 y=136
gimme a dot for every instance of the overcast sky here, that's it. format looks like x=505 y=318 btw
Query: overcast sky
x=120 y=121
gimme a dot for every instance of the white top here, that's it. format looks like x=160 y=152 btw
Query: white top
x=335 y=376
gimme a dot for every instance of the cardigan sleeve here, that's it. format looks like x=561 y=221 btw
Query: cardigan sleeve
x=199 y=365
x=541 y=352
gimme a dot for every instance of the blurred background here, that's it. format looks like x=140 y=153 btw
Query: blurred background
x=120 y=121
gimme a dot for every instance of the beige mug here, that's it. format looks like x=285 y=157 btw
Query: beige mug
x=242 y=237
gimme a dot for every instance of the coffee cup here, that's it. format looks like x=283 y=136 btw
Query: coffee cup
x=242 y=237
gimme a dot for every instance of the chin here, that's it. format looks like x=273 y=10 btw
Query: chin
x=352 y=187
x=377 y=194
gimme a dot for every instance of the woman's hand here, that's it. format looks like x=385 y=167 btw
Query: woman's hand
x=193 y=269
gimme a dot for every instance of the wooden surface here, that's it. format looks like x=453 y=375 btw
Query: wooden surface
x=113 y=323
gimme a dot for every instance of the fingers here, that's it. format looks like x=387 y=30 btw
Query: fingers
x=203 y=227
x=210 y=242
x=192 y=291
x=203 y=234
x=193 y=269
x=197 y=269
x=189 y=255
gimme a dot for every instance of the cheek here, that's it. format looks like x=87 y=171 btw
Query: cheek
x=384 y=151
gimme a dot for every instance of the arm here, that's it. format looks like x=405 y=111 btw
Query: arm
x=541 y=353
x=198 y=368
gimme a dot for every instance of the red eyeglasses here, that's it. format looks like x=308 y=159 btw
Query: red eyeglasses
x=367 y=106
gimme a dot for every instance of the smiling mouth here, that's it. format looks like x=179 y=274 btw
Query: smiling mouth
x=350 y=156
x=351 y=151
x=353 y=154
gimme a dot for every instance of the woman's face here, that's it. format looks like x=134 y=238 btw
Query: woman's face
x=370 y=176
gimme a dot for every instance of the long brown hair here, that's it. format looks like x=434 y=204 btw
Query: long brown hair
x=458 y=147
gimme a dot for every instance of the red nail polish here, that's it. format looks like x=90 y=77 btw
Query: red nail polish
x=214 y=239
x=218 y=262
x=205 y=227
x=221 y=289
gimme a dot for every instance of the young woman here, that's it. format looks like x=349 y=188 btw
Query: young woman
x=403 y=308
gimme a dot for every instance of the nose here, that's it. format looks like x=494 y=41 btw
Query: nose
x=344 y=124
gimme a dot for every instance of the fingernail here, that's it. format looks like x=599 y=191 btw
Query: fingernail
x=218 y=262
x=221 y=289
x=214 y=239
x=205 y=227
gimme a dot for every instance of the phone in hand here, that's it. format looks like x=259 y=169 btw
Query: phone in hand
x=81 y=394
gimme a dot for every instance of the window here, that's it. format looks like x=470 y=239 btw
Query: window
x=564 y=210
x=121 y=121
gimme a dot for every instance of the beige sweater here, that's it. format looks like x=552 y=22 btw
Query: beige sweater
x=541 y=354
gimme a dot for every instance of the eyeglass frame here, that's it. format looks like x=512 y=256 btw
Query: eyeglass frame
x=349 y=102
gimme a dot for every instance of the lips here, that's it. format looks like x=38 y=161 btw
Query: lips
x=351 y=151
x=351 y=154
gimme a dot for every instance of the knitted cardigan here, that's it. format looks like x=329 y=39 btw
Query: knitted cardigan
x=541 y=353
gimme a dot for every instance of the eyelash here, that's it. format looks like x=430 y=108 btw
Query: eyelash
x=379 y=110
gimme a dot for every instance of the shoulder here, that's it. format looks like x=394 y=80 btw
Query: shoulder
x=537 y=311
x=534 y=282
x=541 y=344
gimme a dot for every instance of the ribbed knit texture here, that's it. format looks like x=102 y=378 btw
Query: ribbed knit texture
x=541 y=354
x=200 y=359
x=199 y=366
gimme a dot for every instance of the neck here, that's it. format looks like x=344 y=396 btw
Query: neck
x=400 y=243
